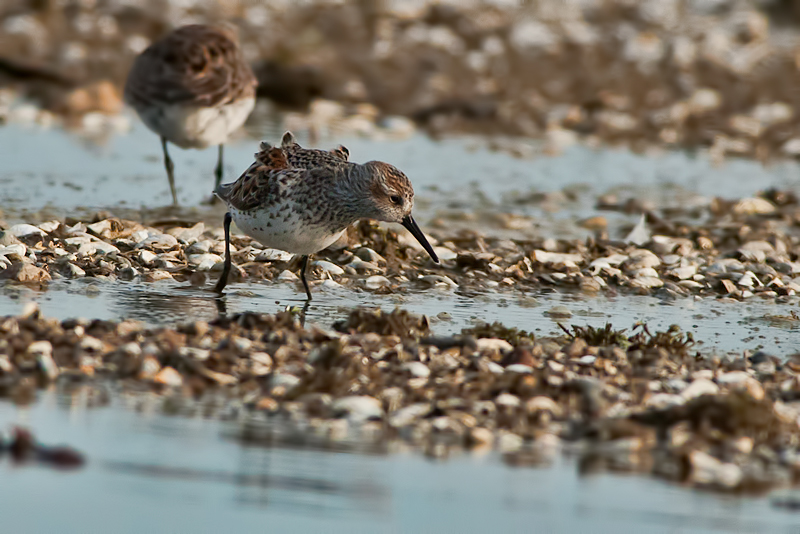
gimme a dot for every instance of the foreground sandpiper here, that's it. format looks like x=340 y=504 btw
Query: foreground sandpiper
x=193 y=88
x=302 y=200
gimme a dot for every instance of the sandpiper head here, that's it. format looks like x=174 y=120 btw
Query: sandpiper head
x=391 y=192
x=393 y=199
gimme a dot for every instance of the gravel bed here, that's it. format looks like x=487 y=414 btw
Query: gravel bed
x=725 y=249
x=627 y=401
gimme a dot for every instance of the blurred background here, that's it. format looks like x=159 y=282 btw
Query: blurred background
x=719 y=74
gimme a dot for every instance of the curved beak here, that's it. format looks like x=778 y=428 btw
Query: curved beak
x=411 y=225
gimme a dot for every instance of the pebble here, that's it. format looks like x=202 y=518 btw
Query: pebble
x=260 y=363
x=158 y=242
x=204 y=262
x=283 y=380
x=288 y=276
x=699 y=387
x=662 y=401
x=647 y=282
x=150 y=368
x=417 y=369
x=377 y=282
x=508 y=442
x=368 y=255
x=409 y=414
x=24 y=230
x=438 y=280
x=168 y=376
x=75 y=271
x=542 y=404
x=16 y=251
x=42 y=351
x=328 y=267
x=480 y=437
x=493 y=345
x=271 y=254
x=360 y=266
x=559 y=312
x=31 y=274
x=742 y=381
x=709 y=471
x=146 y=257
x=507 y=400
x=358 y=408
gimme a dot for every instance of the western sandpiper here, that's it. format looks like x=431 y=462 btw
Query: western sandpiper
x=302 y=200
x=193 y=88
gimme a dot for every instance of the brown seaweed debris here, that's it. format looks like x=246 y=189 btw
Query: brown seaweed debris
x=399 y=323
x=640 y=402
x=593 y=335
x=515 y=336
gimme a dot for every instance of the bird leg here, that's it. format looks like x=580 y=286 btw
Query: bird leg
x=303 y=265
x=226 y=267
x=218 y=170
x=170 y=171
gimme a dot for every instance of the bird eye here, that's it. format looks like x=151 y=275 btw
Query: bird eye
x=396 y=199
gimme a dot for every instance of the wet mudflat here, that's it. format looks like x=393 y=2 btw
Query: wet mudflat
x=204 y=467
x=148 y=471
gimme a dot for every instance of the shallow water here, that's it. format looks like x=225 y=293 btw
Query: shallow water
x=49 y=173
x=720 y=326
x=148 y=472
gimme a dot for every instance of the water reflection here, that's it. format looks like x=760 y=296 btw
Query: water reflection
x=289 y=482
x=158 y=306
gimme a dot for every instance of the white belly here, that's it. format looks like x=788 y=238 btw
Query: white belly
x=291 y=236
x=197 y=127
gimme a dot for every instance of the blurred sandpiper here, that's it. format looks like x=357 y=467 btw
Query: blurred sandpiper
x=302 y=200
x=193 y=88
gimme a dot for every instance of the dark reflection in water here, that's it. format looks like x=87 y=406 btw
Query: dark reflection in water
x=261 y=478
x=156 y=306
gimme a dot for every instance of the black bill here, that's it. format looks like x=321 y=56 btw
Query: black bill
x=411 y=226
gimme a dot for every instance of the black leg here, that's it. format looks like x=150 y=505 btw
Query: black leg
x=217 y=175
x=303 y=265
x=170 y=171
x=226 y=267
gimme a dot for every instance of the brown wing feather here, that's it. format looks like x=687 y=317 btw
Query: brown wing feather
x=260 y=183
x=306 y=158
x=197 y=64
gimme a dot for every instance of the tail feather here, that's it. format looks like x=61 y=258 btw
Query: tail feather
x=223 y=192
